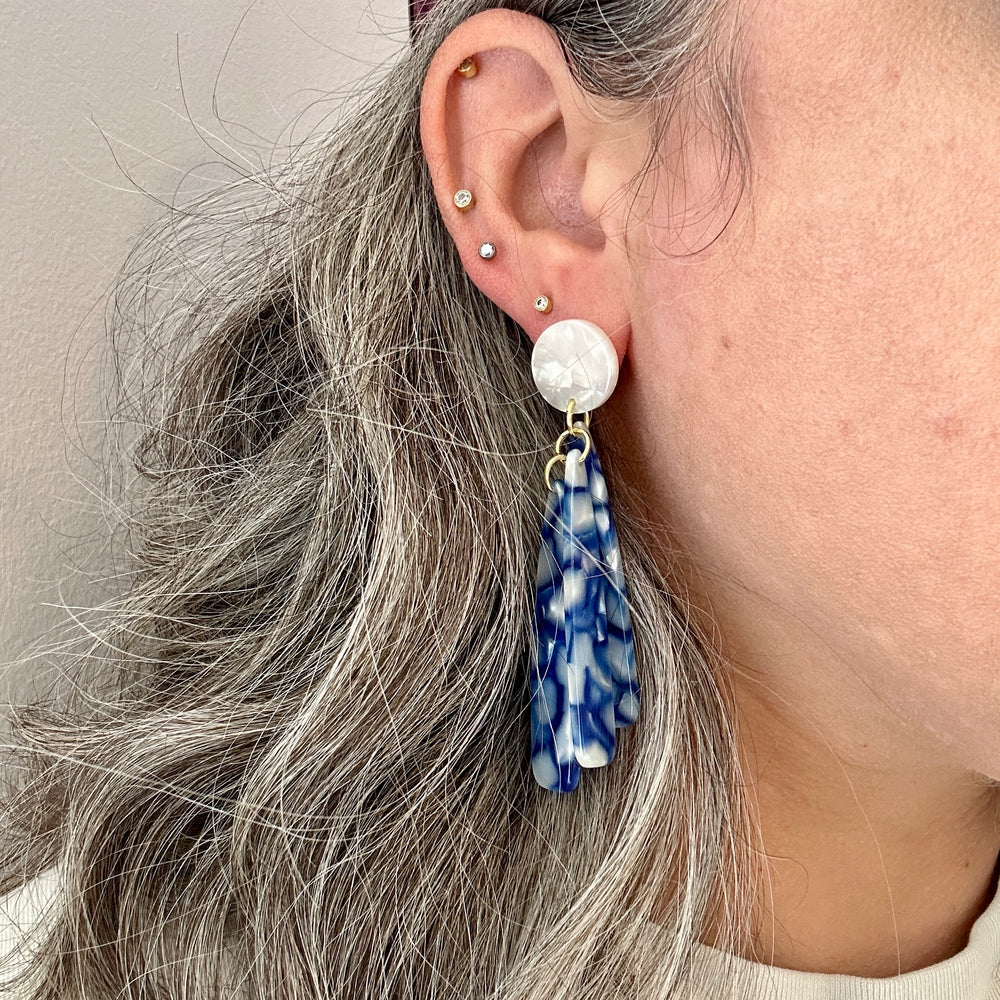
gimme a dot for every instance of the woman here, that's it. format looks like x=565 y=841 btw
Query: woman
x=310 y=777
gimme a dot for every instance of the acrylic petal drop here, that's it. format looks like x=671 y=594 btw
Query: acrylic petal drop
x=621 y=650
x=553 y=762
x=592 y=688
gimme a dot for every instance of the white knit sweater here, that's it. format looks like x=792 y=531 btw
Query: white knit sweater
x=972 y=974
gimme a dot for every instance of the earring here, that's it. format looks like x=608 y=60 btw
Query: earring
x=487 y=250
x=583 y=682
x=464 y=200
x=543 y=304
x=468 y=68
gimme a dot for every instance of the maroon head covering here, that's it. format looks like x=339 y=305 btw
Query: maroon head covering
x=419 y=9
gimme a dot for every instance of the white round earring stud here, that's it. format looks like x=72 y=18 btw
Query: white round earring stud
x=487 y=250
x=574 y=359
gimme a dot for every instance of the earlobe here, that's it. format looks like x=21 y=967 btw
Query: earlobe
x=540 y=168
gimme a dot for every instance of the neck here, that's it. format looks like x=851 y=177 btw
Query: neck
x=870 y=866
x=876 y=843
x=877 y=838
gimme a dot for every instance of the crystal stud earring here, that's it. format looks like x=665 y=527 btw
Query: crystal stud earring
x=543 y=304
x=464 y=200
x=487 y=250
x=468 y=68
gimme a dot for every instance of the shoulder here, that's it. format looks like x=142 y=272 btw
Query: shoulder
x=25 y=913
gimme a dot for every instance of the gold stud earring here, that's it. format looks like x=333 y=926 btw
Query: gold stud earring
x=543 y=304
x=468 y=68
x=464 y=200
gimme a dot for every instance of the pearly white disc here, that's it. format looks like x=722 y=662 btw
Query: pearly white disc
x=574 y=359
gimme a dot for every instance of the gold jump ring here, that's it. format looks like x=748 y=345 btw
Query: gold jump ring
x=575 y=431
x=549 y=465
x=570 y=414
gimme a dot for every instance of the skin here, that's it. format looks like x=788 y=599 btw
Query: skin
x=809 y=404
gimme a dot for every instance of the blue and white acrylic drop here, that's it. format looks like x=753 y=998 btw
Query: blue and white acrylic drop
x=583 y=683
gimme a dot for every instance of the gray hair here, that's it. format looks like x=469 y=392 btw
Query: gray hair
x=297 y=761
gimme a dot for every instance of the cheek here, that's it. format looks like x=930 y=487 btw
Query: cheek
x=828 y=376
x=846 y=475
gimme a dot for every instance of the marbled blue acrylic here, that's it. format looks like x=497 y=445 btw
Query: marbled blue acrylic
x=583 y=681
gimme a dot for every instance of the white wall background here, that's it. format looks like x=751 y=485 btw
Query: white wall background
x=89 y=90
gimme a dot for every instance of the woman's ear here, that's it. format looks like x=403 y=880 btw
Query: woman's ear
x=549 y=172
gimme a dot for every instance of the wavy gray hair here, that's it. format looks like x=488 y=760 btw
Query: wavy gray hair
x=301 y=765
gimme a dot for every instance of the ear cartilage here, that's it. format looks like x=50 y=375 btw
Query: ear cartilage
x=468 y=68
x=464 y=200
